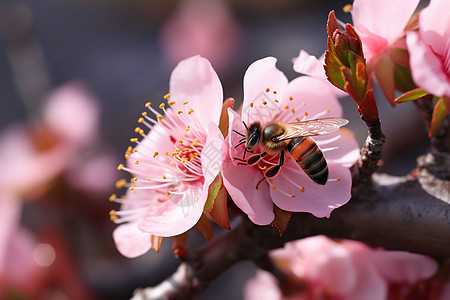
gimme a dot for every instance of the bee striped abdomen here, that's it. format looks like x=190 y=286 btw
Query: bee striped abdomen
x=310 y=158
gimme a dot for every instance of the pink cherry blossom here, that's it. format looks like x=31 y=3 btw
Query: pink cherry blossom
x=204 y=27
x=363 y=272
x=381 y=25
x=268 y=96
x=429 y=49
x=73 y=113
x=174 y=164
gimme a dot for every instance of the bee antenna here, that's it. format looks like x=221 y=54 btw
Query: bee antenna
x=245 y=125
x=238 y=133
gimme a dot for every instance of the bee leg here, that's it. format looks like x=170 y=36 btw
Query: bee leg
x=274 y=170
x=255 y=158
x=260 y=181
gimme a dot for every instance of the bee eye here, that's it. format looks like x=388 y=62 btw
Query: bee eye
x=274 y=139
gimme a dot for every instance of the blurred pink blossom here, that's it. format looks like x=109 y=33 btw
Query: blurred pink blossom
x=381 y=25
x=174 y=164
x=429 y=49
x=268 y=96
x=203 y=27
x=342 y=270
x=72 y=113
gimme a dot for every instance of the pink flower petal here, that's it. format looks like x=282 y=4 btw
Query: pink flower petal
x=233 y=138
x=194 y=80
x=404 y=267
x=310 y=196
x=262 y=287
x=384 y=18
x=73 y=113
x=261 y=81
x=176 y=215
x=130 y=241
x=307 y=98
x=343 y=149
x=240 y=182
x=434 y=26
x=426 y=67
x=211 y=155
x=309 y=65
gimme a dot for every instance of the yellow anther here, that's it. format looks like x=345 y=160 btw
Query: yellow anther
x=167 y=193
x=183 y=160
x=304 y=103
x=293 y=196
x=148 y=104
x=306 y=114
x=134 y=150
x=155 y=154
x=159 y=117
x=133 y=140
x=120 y=183
x=131 y=188
x=187 y=128
x=171 y=102
x=167 y=153
x=302 y=189
x=190 y=111
x=264 y=102
x=148 y=179
x=127 y=155
x=144 y=113
x=347 y=8
x=273 y=188
x=167 y=96
x=297 y=119
x=251 y=104
x=136 y=162
x=179 y=112
x=112 y=197
x=137 y=129
x=120 y=167
x=327 y=110
x=293 y=111
x=286 y=107
x=338 y=179
x=185 y=135
x=164 y=177
x=161 y=106
x=274 y=92
x=267 y=90
x=141 y=132
x=180 y=141
x=185 y=102
x=113 y=218
x=290 y=98
x=141 y=120
x=112 y=212
x=194 y=143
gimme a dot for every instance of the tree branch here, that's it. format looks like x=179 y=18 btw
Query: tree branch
x=399 y=215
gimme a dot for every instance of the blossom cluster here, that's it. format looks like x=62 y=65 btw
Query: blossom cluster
x=195 y=150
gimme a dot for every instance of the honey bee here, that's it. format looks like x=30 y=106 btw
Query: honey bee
x=277 y=137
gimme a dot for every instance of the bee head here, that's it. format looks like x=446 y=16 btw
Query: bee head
x=253 y=136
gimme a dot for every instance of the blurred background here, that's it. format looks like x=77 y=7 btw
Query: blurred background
x=74 y=77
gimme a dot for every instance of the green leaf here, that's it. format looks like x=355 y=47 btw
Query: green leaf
x=411 y=95
x=333 y=70
x=213 y=190
x=439 y=113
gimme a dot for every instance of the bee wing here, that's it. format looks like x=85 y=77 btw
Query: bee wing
x=313 y=127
